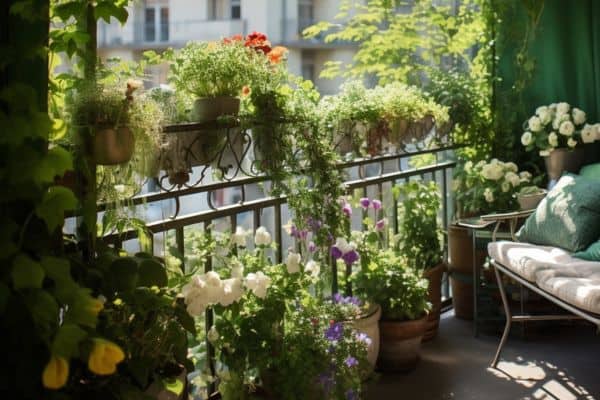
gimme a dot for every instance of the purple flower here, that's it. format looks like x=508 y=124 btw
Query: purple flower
x=364 y=338
x=336 y=253
x=354 y=300
x=365 y=202
x=350 y=257
x=337 y=298
x=314 y=224
x=351 y=395
x=294 y=231
x=376 y=204
x=327 y=382
x=351 y=362
x=303 y=234
x=334 y=332
x=312 y=247
x=380 y=225
x=347 y=209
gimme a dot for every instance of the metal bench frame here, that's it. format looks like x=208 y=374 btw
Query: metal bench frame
x=576 y=312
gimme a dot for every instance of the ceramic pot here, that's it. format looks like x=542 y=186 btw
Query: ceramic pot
x=563 y=160
x=192 y=148
x=531 y=201
x=369 y=325
x=434 y=296
x=211 y=108
x=113 y=146
x=400 y=344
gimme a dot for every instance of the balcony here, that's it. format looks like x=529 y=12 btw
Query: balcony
x=139 y=35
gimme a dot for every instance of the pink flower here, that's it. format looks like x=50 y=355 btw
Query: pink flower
x=365 y=202
x=347 y=209
x=376 y=204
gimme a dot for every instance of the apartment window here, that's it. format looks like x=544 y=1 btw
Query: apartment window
x=236 y=9
x=156 y=21
x=308 y=65
x=305 y=14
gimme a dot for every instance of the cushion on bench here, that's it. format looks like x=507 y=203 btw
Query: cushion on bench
x=554 y=270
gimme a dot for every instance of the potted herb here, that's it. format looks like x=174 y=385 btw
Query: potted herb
x=558 y=132
x=530 y=196
x=418 y=240
x=103 y=112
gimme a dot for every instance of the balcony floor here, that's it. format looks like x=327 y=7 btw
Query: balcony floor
x=552 y=362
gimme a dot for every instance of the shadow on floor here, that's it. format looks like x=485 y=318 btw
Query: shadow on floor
x=552 y=362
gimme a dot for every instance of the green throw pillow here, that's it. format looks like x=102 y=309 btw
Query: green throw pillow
x=568 y=217
x=592 y=253
x=591 y=171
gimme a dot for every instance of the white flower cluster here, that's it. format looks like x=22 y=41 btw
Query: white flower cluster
x=558 y=125
x=498 y=178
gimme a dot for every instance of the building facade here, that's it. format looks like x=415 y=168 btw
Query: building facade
x=159 y=24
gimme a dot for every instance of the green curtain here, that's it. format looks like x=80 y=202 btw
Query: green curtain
x=566 y=50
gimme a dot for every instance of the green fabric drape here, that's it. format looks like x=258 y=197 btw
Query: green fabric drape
x=566 y=50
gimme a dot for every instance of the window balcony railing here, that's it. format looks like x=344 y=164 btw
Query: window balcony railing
x=173 y=33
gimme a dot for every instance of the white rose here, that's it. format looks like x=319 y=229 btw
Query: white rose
x=513 y=179
x=312 y=268
x=212 y=279
x=535 y=124
x=196 y=307
x=563 y=108
x=239 y=237
x=232 y=291
x=489 y=196
x=553 y=139
x=541 y=110
x=566 y=128
x=578 y=116
x=262 y=237
x=588 y=134
x=511 y=166
x=293 y=262
x=545 y=153
x=526 y=138
x=213 y=334
x=505 y=186
x=571 y=142
x=258 y=283
x=492 y=171
x=552 y=107
x=559 y=119
x=545 y=117
x=468 y=166
x=525 y=176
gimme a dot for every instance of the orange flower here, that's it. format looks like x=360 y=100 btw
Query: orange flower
x=277 y=53
x=259 y=42
x=234 y=38
x=245 y=91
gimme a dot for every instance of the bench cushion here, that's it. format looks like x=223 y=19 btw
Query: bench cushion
x=554 y=270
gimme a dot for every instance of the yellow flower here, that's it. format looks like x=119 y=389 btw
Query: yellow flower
x=56 y=373
x=104 y=357
x=95 y=306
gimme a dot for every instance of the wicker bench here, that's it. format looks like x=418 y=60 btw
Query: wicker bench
x=553 y=273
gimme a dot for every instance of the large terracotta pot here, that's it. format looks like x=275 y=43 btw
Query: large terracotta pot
x=113 y=146
x=211 y=108
x=561 y=160
x=400 y=344
x=434 y=296
x=460 y=266
x=369 y=325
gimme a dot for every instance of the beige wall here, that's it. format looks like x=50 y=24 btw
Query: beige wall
x=330 y=86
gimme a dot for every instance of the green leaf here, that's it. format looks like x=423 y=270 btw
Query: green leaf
x=108 y=9
x=122 y=275
x=173 y=385
x=59 y=270
x=66 y=342
x=44 y=312
x=26 y=273
x=57 y=161
x=152 y=273
x=55 y=202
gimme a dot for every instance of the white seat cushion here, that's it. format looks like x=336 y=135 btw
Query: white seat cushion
x=572 y=280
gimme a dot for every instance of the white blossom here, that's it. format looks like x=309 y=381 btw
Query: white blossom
x=588 y=133
x=505 y=186
x=511 y=166
x=489 y=195
x=553 y=139
x=212 y=334
x=562 y=108
x=468 y=166
x=237 y=269
x=312 y=268
x=513 y=178
x=571 y=142
x=492 y=171
x=293 y=262
x=525 y=176
x=566 y=128
x=526 y=138
x=578 y=116
x=535 y=124
x=262 y=237
x=258 y=283
x=545 y=153
x=232 y=291
x=239 y=237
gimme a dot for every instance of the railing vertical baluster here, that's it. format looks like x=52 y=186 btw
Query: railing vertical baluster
x=180 y=243
x=256 y=218
x=209 y=321
x=445 y=198
x=277 y=229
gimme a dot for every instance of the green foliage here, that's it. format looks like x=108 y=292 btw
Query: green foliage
x=419 y=229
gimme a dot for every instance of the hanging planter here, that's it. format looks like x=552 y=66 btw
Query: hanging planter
x=113 y=145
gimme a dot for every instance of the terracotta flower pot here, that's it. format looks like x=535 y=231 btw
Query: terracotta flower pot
x=434 y=296
x=400 y=344
x=113 y=146
x=211 y=108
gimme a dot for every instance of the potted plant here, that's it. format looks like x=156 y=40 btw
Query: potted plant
x=558 y=132
x=530 y=196
x=418 y=240
x=481 y=188
x=267 y=325
x=102 y=113
x=385 y=279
